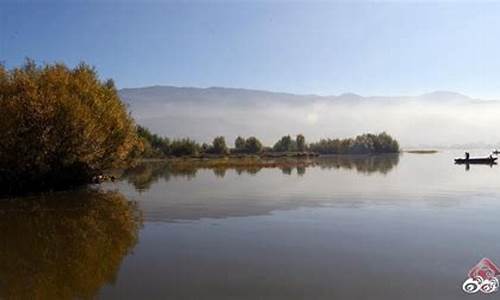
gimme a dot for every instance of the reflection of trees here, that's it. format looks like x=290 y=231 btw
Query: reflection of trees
x=252 y=170
x=287 y=170
x=147 y=173
x=64 y=245
x=361 y=163
x=301 y=170
x=220 y=172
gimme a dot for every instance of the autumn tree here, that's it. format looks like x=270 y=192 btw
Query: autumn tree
x=60 y=126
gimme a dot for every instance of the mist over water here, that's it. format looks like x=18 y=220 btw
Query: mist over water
x=452 y=119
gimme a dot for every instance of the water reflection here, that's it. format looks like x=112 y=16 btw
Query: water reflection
x=64 y=245
x=363 y=164
x=147 y=173
x=467 y=166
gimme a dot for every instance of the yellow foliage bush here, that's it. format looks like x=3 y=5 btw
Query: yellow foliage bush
x=60 y=126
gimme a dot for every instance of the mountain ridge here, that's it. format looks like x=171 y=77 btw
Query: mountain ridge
x=171 y=93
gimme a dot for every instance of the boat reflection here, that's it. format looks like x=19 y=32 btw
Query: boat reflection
x=467 y=165
x=64 y=245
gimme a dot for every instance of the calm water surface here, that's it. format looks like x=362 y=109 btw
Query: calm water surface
x=406 y=227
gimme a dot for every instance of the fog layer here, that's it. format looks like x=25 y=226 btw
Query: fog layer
x=439 y=119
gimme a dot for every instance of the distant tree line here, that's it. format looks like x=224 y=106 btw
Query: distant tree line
x=362 y=144
x=250 y=145
x=156 y=146
x=288 y=144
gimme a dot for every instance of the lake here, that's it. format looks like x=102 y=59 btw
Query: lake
x=383 y=227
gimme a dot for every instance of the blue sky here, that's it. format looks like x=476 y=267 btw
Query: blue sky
x=370 y=48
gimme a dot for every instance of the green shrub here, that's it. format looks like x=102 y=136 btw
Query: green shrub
x=361 y=144
x=218 y=146
x=154 y=145
x=253 y=145
x=184 y=147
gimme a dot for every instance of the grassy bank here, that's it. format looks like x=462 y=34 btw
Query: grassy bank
x=272 y=160
x=240 y=161
x=421 y=151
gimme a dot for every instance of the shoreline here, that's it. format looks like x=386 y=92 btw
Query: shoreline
x=265 y=161
x=264 y=156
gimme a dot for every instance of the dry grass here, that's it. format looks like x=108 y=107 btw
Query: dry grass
x=422 y=151
x=242 y=162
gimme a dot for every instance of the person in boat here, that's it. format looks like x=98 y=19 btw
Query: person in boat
x=467 y=155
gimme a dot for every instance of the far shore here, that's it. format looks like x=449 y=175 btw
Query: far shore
x=262 y=160
x=427 y=151
x=265 y=156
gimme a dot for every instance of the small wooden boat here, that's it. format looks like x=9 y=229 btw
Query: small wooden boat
x=478 y=160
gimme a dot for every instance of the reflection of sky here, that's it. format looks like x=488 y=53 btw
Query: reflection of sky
x=412 y=233
x=368 y=253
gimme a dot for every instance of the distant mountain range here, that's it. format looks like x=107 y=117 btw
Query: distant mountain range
x=171 y=94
